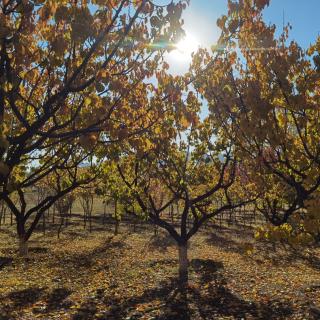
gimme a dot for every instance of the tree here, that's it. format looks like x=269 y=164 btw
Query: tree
x=63 y=206
x=86 y=196
x=270 y=97
x=114 y=192
x=71 y=73
x=187 y=161
x=41 y=191
x=3 y=211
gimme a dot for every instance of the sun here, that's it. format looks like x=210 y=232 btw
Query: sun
x=185 y=47
x=180 y=57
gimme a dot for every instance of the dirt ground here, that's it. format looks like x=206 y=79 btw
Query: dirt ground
x=133 y=276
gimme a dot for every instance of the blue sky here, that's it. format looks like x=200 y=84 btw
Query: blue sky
x=200 y=21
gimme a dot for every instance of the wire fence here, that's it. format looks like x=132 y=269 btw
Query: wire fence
x=101 y=213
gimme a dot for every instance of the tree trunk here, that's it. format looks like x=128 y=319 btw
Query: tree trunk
x=155 y=230
x=84 y=220
x=183 y=265
x=134 y=225
x=21 y=232
x=23 y=247
x=60 y=226
x=44 y=223
x=116 y=227
x=172 y=214
x=66 y=218
x=53 y=213
x=69 y=214
x=104 y=214
x=134 y=219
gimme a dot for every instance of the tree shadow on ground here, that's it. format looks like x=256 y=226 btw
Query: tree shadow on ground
x=25 y=297
x=38 y=250
x=87 y=259
x=217 y=300
x=5 y=261
x=225 y=242
x=161 y=242
x=313 y=261
x=294 y=255
x=283 y=254
x=280 y=253
x=57 y=299
x=11 y=304
x=16 y=301
x=162 y=262
x=5 y=230
x=208 y=298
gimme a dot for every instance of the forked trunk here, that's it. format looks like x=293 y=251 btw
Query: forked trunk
x=23 y=247
x=183 y=265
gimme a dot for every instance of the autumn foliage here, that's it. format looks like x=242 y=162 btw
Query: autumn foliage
x=73 y=74
x=89 y=108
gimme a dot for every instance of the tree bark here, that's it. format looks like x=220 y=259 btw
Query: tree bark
x=172 y=213
x=104 y=214
x=116 y=226
x=84 y=220
x=134 y=224
x=44 y=223
x=60 y=226
x=23 y=247
x=155 y=230
x=183 y=265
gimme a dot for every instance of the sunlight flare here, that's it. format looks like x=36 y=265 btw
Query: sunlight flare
x=185 y=47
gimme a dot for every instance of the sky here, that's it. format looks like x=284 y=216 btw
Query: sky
x=200 y=25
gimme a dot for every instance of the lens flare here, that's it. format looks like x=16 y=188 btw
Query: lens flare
x=185 y=47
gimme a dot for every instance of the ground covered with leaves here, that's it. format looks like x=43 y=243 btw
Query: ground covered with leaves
x=133 y=276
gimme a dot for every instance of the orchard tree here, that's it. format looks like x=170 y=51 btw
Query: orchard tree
x=3 y=211
x=192 y=163
x=115 y=193
x=86 y=198
x=63 y=206
x=87 y=194
x=269 y=95
x=72 y=73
